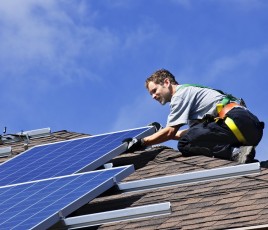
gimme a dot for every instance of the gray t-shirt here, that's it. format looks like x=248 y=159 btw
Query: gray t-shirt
x=192 y=103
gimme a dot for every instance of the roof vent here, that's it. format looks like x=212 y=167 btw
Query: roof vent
x=24 y=135
x=36 y=133
x=6 y=151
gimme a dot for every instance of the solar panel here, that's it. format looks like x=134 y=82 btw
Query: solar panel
x=41 y=204
x=67 y=157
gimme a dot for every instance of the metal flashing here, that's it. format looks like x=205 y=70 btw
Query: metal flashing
x=191 y=177
x=118 y=215
x=5 y=151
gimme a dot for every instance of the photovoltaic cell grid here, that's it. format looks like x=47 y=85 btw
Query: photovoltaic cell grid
x=65 y=158
x=40 y=204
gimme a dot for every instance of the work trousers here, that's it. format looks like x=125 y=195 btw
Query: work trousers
x=215 y=139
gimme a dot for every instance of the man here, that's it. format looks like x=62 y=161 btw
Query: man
x=219 y=125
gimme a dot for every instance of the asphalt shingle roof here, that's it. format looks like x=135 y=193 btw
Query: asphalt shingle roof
x=216 y=204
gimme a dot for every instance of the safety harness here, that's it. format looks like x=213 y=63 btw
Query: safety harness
x=222 y=111
x=228 y=103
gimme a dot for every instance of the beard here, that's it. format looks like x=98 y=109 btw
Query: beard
x=163 y=100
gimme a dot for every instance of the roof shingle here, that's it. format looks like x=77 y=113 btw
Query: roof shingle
x=216 y=204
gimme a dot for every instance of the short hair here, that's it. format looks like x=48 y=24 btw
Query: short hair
x=159 y=76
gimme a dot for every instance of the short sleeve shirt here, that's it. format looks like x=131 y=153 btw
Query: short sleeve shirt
x=192 y=103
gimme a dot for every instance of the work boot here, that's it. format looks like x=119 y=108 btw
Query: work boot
x=244 y=154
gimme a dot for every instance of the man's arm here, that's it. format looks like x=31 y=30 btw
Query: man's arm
x=165 y=134
x=179 y=134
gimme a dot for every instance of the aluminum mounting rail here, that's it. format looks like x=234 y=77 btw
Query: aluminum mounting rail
x=190 y=177
x=118 y=215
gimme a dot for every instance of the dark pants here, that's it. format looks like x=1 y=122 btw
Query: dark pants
x=215 y=139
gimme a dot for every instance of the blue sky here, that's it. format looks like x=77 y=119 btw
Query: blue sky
x=81 y=65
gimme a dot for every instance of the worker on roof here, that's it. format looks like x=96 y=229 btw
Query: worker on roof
x=220 y=125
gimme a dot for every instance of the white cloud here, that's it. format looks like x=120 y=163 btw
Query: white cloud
x=24 y=36
x=141 y=34
x=51 y=36
x=245 y=5
x=244 y=59
x=58 y=41
x=141 y=112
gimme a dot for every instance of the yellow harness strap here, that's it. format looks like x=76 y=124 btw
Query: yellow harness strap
x=230 y=123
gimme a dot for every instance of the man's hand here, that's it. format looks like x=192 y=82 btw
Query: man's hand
x=134 y=144
x=156 y=125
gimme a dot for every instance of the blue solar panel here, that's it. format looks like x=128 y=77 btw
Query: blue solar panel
x=40 y=204
x=67 y=157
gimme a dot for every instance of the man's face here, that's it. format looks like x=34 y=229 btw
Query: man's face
x=161 y=93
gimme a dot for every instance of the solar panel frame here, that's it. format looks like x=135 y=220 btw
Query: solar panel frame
x=42 y=203
x=42 y=167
